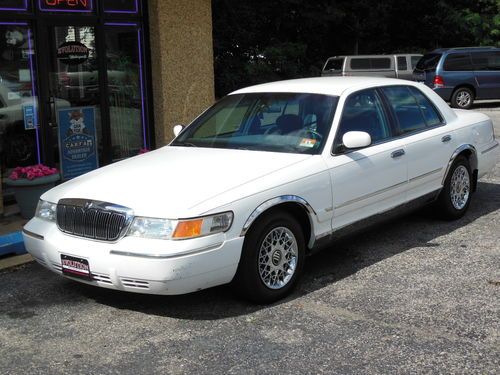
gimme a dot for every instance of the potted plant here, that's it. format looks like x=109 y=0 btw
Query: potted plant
x=29 y=183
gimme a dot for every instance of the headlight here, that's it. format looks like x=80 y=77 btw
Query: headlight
x=152 y=228
x=46 y=210
x=180 y=229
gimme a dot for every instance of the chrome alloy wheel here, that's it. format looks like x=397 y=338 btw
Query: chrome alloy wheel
x=278 y=256
x=463 y=99
x=460 y=187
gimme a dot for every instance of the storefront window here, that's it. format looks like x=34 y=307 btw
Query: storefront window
x=19 y=137
x=125 y=90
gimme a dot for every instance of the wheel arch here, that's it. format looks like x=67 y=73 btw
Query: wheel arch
x=467 y=86
x=296 y=206
x=470 y=153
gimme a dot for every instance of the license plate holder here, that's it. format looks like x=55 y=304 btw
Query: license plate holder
x=75 y=267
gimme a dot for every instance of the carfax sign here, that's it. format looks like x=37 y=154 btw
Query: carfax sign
x=77 y=141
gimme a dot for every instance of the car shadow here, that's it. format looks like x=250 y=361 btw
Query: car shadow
x=489 y=104
x=339 y=260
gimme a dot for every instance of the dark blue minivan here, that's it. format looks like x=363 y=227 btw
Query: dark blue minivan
x=461 y=75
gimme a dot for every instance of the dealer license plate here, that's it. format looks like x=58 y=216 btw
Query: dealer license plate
x=75 y=267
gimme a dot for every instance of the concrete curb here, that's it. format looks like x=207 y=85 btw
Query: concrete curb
x=15 y=261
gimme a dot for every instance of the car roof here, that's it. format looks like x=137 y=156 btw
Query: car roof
x=322 y=85
x=464 y=49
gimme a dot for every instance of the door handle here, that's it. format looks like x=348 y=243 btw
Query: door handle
x=397 y=153
x=446 y=138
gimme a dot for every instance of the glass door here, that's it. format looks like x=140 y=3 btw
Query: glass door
x=74 y=99
x=19 y=132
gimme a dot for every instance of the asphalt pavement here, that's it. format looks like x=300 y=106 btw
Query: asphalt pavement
x=415 y=295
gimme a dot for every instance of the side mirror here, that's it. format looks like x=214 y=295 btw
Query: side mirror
x=356 y=139
x=178 y=129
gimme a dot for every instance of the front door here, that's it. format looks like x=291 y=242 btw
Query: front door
x=369 y=180
x=73 y=105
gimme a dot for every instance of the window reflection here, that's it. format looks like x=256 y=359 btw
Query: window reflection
x=18 y=116
x=125 y=94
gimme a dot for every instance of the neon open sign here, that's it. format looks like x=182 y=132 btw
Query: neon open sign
x=66 y=5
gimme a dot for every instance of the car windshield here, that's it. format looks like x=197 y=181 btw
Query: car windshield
x=429 y=61
x=279 y=122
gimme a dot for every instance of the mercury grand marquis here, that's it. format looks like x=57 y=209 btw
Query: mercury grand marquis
x=258 y=181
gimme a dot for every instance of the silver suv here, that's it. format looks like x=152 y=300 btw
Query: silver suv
x=392 y=66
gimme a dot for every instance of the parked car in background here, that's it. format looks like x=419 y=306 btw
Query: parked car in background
x=391 y=66
x=461 y=75
x=262 y=178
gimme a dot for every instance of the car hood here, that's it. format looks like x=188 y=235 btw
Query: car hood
x=170 y=181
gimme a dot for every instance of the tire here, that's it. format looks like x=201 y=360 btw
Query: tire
x=455 y=197
x=462 y=98
x=269 y=270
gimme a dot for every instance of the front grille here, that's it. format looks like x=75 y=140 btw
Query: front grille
x=81 y=218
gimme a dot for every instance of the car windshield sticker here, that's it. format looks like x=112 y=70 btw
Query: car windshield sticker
x=307 y=142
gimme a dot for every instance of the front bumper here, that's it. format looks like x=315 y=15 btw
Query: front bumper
x=137 y=264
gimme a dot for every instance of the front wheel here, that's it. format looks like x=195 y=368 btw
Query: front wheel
x=455 y=197
x=272 y=258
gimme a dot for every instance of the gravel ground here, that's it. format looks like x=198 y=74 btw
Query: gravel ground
x=416 y=295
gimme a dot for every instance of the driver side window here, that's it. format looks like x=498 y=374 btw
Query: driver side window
x=363 y=111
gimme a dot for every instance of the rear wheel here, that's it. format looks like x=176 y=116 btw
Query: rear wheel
x=456 y=195
x=272 y=258
x=462 y=98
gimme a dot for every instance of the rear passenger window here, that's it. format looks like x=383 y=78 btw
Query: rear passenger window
x=458 y=62
x=414 y=61
x=486 y=60
x=402 y=65
x=406 y=109
x=360 y=64
x=363 y=111
x=381 y=63
x=432 y=117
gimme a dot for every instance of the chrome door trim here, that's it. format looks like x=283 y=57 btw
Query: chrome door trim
x=490 y=149
x=366 y=196
x=426 y=174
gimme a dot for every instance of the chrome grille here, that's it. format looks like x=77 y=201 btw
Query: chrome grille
x=92 y=219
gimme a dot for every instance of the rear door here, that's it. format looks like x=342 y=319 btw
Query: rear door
x=487 y=73
x=429 y=143
x=425 y=70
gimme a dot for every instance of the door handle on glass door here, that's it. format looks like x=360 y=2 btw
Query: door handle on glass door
x=397 y=153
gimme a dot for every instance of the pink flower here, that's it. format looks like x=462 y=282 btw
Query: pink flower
x=143 y=151
x=32 y=172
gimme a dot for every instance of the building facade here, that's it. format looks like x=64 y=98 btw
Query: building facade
x=85 y=83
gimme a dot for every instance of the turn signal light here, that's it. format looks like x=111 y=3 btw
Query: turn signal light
x=188 y=229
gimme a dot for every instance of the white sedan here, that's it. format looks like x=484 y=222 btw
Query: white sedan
x=258 y=181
